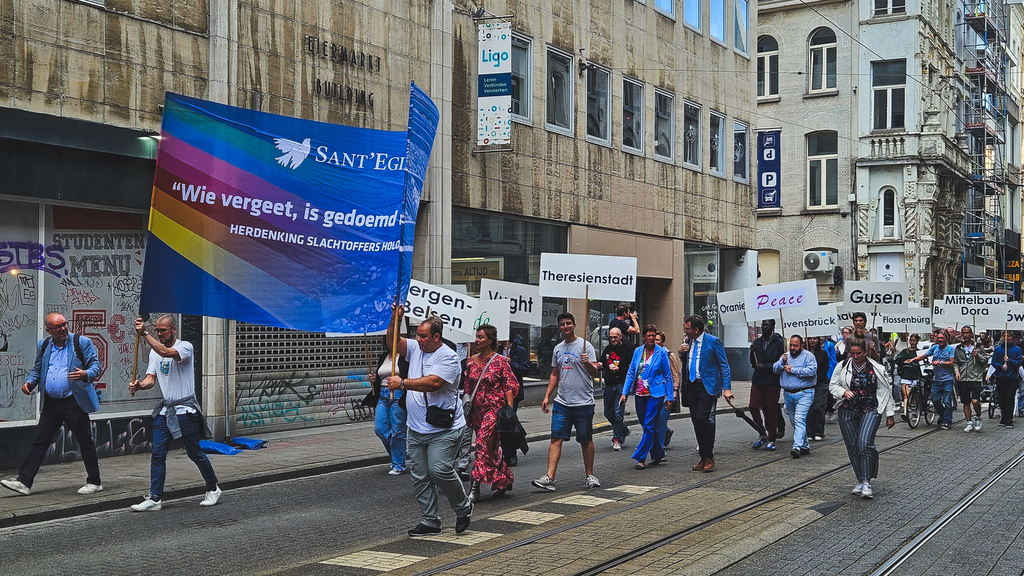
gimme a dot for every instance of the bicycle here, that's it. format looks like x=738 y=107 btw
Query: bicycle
x=919 y=402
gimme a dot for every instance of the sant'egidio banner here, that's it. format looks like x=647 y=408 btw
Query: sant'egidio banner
x=283 y=221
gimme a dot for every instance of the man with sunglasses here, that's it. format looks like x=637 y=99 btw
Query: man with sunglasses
x=178 y=415
x=64 y=374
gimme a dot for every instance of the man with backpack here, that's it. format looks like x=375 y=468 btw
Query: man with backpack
x=64 y=374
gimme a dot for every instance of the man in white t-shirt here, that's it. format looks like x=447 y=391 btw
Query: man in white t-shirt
x=178 y=415
x=432 y=446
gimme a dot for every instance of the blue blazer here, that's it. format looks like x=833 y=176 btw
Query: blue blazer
x=713 y=368
x=83 y=391
x=658 y=374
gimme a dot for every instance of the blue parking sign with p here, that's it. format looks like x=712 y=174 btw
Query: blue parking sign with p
x=768 y=167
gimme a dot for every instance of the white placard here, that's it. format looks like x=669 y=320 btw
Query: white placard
x=822 y=322
x=455 y=310
x=983 y=311
x=1014 y=315
x=730 y=307
x=762 y=302
x=944 y=316
x=868 y=297
x=493 y=312
x=524 y=301
x=588 y=276
x=917 y=320
x=550 y=314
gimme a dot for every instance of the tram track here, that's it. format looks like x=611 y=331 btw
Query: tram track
x=651 y=546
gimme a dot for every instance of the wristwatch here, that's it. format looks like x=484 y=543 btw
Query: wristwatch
x=401 y=385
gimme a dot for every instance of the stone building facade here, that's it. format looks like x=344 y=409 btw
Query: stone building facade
x=82 y=84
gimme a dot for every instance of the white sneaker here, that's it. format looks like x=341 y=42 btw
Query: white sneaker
x=866 y=492
x=544 y=482
x=395 y=471
x=616 y=446
x=977 y=423
x=212 y=497
x=148 y=505
x=90 y=489
x=17 y=486
x=969 y=427
x=593 y=482
x=857 y=489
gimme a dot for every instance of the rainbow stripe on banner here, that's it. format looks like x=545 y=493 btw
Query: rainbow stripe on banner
x=283 y=221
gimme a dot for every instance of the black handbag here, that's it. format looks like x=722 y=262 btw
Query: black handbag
x=440 y=417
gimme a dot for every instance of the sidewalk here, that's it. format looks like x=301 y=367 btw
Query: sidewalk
x=288 y=455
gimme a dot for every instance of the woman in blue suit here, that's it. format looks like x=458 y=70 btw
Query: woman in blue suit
x=650 y=378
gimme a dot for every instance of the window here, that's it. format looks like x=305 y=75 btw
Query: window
x=664 y=122
x=886 y=7
x=668 y=6
x=767 y=67
x=739 y=37
x=718 y=20
x=823 y=60
x=521 y=78
x=559 y=92
x=823 y=170
x=888 y=84
x=740 y=158
x=716 y=162
x=598 y=119
x=888 y=207
x=691 y=13
x=632 y=115
x=691 y=135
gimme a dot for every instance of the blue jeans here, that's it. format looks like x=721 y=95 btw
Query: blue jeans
x=614 y=411
x=649 y=407
x=942 y=398
x=389 y=426
x=190 y=432
x=1020 y=398
x=797 y=405
x=432 y=466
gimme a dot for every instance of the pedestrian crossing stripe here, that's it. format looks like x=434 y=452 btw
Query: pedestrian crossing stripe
x=526 y=517
x=631 y=489
x=583 y=500
x=467 y=538
x=375 y=560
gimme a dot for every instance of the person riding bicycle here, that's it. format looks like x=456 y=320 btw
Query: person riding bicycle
x=909 y=373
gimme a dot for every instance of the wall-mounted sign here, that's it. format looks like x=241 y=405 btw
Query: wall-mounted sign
x=346 y=59
x=466 y=269
x=494 y=84
x=769 y=165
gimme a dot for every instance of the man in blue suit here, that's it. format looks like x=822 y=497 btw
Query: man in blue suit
x=64 y=371
x=708 y=377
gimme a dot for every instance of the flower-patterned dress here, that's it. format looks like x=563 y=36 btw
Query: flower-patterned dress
x=489 y=468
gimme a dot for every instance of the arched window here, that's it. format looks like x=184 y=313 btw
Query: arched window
x=767 y=67
x=887 y=216
x=822 y=60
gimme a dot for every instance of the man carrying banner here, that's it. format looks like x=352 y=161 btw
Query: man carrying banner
x=573 y=374
x=764 y=389
x=798 y=370
x=178 y=415
x=709 y=377
x=943 y=369
x=971 y=364
x=435 y=422
x=64 y=374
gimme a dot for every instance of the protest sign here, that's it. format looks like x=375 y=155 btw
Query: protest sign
x=917 y=320
x=493 y=312
x=762 y=302
x=283 y=221
x=821 y=322
x=524 y=300
x=869 y=297
x=588 y=276
x=457 y=311
x=731 y=307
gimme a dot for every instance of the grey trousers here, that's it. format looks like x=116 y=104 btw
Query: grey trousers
x=431 y=461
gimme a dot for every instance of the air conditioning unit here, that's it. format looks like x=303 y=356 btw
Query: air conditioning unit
x=819 y=260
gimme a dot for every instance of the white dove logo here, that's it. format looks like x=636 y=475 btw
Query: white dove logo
x=294 y=153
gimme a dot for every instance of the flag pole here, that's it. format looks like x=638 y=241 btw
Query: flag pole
x=135 y=363
x=586 y=316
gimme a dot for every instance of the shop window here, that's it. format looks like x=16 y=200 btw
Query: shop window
x=664 y=125
x=691 y=135
x=559 y=92
x=522 y=74
x=632 y=116
x=888 y=85
x=767 y=67
x=598 y=118
x=716 y=144
x=822 y=60
x=823 y=170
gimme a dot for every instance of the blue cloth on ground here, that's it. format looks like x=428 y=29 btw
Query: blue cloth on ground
x=248 y=443
x=217 y=448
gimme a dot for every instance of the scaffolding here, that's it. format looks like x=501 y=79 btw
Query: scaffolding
x=986 y=63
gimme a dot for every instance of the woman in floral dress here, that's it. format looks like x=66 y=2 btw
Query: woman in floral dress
x=497 y=387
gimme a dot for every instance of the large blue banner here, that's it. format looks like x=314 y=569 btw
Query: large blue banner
x=768 y=168
x=284 y=221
